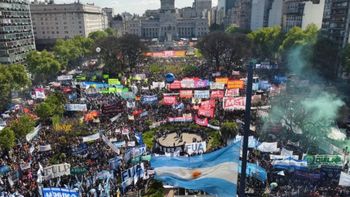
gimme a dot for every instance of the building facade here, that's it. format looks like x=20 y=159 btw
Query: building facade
x=64 y=21
x=336 y=21
x=168 y=23
x=109 y=12
x=16 y=32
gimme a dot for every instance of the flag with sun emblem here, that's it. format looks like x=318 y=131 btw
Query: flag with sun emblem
x=215 y=173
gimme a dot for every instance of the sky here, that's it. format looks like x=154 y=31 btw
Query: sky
x=132 y=6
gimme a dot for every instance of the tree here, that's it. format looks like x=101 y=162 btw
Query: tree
x=266 y=42
x=43 y=65
x=232 y=29
x=215 y=27
x=7 y=139
x=22 y=126
x=52 y=106
x=70 y=51
x=223 y=49
x=98 y=35
x=44 y=111
x=122 y=53
x=12 y=77
x=229 y=130
x=298 y=37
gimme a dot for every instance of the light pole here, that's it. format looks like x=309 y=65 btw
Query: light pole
x=247 y=118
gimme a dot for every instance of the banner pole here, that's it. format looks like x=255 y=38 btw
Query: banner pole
x=247 y=119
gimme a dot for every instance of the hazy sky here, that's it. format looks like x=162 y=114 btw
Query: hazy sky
x=132 y=6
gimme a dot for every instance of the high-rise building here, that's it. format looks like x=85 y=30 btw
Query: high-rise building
x=63 y=21
x=239 y=14
x=275 y=13
x=336 y=21
x=202 y=7
x=110 y=14
x=301 y=13
x=16 y=32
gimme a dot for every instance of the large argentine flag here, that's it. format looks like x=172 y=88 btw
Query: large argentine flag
x=214 y=173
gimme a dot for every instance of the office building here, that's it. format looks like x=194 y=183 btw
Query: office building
x=16 y=32
x=63 y=21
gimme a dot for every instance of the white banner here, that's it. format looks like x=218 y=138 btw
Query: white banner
x=34 y=133
x=40 y=93
x=55 y=171
x=187 y=83
x=109 y=143
x=75 y=107
x=344 y=179
x=286 y=152
x=159 y=85
x=91 y=137
x=131 y=144
x=45 y=148
x=268 y=147
x=115 y=117
x=281 y=157
x=217 y=86
x=133 y=174
x=200 y=148
x=64 y=77
x=202 y=94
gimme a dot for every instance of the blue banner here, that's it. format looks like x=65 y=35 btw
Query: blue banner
x=253 y=170
x=150 y=100
x=53 y=192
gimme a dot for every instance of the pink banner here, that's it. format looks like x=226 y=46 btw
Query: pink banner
x=169 y=100
x=217 y=94
x=206 y=112
x=175 y=85
x=232 y=93
x=234 y=103
x=208 y=104
x=186 y=94
x=201 y=122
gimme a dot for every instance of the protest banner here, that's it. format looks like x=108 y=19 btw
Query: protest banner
x=286 y=152
x=252 y=141
x=235 y=84
x=213 y=127
x=45 y=148
x=104 y=174
x=125 y=131
x=281 y=157
x=119 y=144
x=201 y=122
x=181 y=119
x=131 y=143
x=40 y=93
x=217 y=94
x=217 y=86
x=133 y=174
x=223 y=80
x=344 y=179
x=59 y=192
x=169 y=100
x=76 y=107
x=113 y=82
x=270 y=147
x=290 y=164
x=234 y=103
x=78 y=171
x=175 y=85
x=55 y=171
x=210 y=104
x=152 y=99
x=91 y=137
x=115 y=118
x=159 y=85
x=307 y=175
x=127 y=95
x=30 y=136
x=80 y=149
x=186 y=94
x=232 y=93
x=187 y=83
x=201 y=83
x=65 y=78
x=25 y=166
x=319 y=160
x=109 y=143
x=206 y=112
x=197 y=148
x=202 y=94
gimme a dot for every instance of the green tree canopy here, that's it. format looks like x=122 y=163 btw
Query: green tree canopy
x=98 y=35
x=44 y=111
x=22 y=126
x=7 y=139
x=52 y=106
x=298 y=37
x=43 y=65
x=229 y=130
x=266 y=42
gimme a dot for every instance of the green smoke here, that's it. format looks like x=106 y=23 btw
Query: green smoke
x=306 y=107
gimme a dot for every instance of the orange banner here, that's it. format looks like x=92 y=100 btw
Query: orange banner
x=186 y=94
x=223 y=80
x=235 y=84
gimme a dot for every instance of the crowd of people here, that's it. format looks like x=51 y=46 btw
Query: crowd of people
x=96 y=168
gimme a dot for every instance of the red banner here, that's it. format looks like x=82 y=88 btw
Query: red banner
x=201 y=122
x=208 y=104
x=175 y=85
x=234 y=103
x=186 y=94
x=235 y=84
x=217 y=94
x=169 y=100
x=206 y=112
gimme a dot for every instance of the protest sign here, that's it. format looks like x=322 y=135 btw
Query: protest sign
x=268 y=147
x=197 y=148
x=175 y=85
x=91 y=137
x=234 y=103
x=217 y=94
x=45 y=148
x=78 y=171
x=109 y=143
x=65 y=78
x=281 y=157
x=235 y=84
x=186 y=94
x=55 y=171
x=318 y=160
x=127 y=95
x=180 y=119
x=159 y=85
x=152 y=99
x=119 y=144
x=131 y=144
x=344 y=179
x=187 y=83
x=34 y=133
x=169 y=100
x=232 y=93
x=133 y=174
x=115 y=117
x=76 y=107
x=223 y=80
x=61 y=192
x=201 y=83
x=40 y=93
x=290 y=164
x=201 y=122
x=217 y=86
x=202 y=94
x=206 y=112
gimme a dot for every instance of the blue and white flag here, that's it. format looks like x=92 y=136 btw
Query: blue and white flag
x=49 y=192
x=254 y=170
x=139 y=138
x=290 y=164
x=215 y=173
